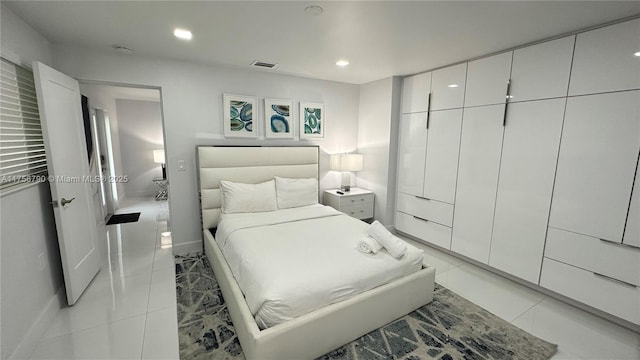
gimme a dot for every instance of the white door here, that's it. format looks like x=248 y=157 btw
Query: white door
x=527 y=170
x=480 y=149
x=415 y=93
x=597 y=164
x=63 y=130
x=487 y=80
x=447 y=87
x=411 y=153
x=542 y=71
x=443 y=145
x=604 y=59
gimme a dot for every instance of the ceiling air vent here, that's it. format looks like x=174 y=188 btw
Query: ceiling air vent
x=263 y=65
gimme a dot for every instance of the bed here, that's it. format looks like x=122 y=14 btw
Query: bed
x=321 y=328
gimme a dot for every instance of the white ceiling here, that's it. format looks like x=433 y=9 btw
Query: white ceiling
x=379 y=38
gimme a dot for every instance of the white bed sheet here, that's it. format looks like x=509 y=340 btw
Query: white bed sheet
x=290 y=262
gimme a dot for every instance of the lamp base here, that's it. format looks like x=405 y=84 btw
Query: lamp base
x=346 y=181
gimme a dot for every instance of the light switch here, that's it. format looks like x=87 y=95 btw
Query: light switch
x=181 y=165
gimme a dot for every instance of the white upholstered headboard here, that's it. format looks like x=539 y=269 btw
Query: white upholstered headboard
x=247 y=164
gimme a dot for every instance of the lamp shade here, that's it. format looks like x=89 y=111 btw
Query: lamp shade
x=158 y=156
x=347 y=162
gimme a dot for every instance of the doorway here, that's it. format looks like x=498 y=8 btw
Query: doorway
x=128 y=128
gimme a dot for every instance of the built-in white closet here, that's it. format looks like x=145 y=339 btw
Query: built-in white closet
x=528 y=161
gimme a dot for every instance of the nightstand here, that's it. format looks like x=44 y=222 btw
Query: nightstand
x=357 y=202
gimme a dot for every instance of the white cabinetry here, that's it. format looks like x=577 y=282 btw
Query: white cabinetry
x=596 y=165
x=604 y=59
x=542 y=71
x=527 y=170
x=632 y=230
x=357 y=203
x=447 y=87
x=587 y=287
x=415 y=93
x=443 y=144
x=480 y=149
x=411 y=153
x=487 y=80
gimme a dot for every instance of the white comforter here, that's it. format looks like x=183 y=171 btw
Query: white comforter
x=293 y=261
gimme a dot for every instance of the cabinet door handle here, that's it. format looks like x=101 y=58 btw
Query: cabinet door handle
x=419 y=218
x=506 y=102
x=618 y=243
x=421 y=197
x=615 y=280
x=428 y=110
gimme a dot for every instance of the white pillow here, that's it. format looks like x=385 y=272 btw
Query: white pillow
x=244 y=198
x=296 y=192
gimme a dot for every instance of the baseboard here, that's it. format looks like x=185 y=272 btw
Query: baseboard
x=38 y=328
x=187 y=248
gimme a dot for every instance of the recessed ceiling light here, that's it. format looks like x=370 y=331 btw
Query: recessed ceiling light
x=637 y=53
x=453 y=85
x=342 y=63
x=182 y=34
x=313 y=10
x=122 y=49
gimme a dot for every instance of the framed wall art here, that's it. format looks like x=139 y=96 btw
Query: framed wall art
x=278 y=118
x=313 y=120
x=240 y=114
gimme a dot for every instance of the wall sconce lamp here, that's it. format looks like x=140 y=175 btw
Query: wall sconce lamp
x=346 y=163
x=158 y=158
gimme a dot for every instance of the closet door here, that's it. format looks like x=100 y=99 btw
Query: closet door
x=527 y=170
x=443 y=145
x=542 y=71
x=632 y=229
x=487 y=80
x=480 y=148
x=604 y=59
x=415 y=93
x=447 y=87
x=411 y=153
x=596 y=165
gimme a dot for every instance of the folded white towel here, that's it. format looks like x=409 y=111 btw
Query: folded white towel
x=369 y=245
x=394 y=245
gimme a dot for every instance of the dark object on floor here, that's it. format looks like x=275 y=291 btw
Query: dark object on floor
x=123 y=218
x=449 y=327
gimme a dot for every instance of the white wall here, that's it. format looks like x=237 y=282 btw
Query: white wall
x=140 y=129
x=27 y=229
x=192 y=110
x=377 y=141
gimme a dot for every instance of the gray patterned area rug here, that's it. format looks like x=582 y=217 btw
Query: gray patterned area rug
x=449 y=327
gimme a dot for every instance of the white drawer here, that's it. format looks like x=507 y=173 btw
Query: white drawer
x=428 y=231
x=359 y=211
x=432 y=210
x=347 y=200
x=611 y=296
x=614 y=260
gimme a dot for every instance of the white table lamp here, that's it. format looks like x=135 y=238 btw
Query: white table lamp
x=346 y=163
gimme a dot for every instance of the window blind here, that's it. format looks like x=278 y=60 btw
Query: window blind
x=22 y=155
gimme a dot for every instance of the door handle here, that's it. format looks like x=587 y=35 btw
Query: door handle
x=64 y=201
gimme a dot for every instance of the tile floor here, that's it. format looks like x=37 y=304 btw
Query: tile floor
x=129 y=310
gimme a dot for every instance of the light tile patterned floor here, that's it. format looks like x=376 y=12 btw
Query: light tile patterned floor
x=129 y=310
